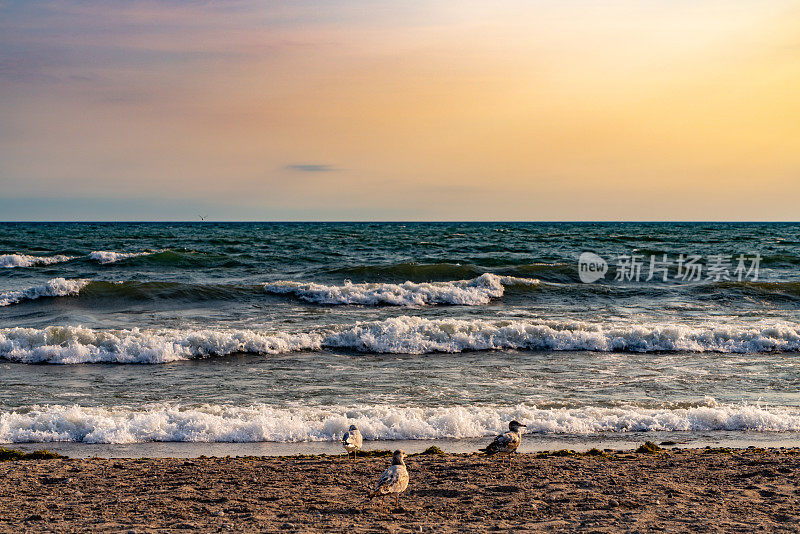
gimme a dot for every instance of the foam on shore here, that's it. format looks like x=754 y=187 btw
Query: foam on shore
x=264 y=423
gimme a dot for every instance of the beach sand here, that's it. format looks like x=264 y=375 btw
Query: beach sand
x=677 y=490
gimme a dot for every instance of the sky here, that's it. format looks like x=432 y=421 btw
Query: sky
x=414 y=110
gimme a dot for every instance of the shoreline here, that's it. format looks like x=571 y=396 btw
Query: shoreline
x=531 y=443
x=678 y=489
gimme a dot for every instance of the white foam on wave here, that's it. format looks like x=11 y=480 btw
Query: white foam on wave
x=9 y=261
x=261 y=422
x=71 y=344
x=416 y=335
x=101 y=256
x=472 y=292
x=57 y=287
x=401 y=335
x=109 y=256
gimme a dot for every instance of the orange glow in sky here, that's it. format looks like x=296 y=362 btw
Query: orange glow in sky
x=509 y=110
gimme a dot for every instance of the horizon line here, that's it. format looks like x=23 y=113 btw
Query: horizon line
x=401 y=221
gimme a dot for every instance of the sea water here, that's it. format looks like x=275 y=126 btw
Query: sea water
x=272 y=338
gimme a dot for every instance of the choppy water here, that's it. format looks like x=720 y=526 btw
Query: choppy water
x=290 y=332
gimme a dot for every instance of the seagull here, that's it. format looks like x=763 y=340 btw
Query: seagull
x=351 y=441
x=203 y=218
x=393 y=480
x=505 y=443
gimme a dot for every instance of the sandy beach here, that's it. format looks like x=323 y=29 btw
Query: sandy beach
x=676 y=490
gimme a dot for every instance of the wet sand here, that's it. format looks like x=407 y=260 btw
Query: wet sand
x=678 y=490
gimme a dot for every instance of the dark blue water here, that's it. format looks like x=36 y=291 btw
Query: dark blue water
x=125 y=333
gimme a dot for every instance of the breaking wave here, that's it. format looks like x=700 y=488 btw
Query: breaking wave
x=398 y=335
x=474 y=292
x=10 y=261
x=165 y=256
x=265 y=423
x=133 y=290
x=70 y=344
x=108 y=256
x=415 y=335
x=57 y=287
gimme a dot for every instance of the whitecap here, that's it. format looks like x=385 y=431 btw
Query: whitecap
x=109 y=256
x=57 y=287
x=400 y=335
x=474 y=292
x=10 y=261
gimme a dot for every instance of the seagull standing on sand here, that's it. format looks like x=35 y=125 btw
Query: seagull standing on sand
x=352 y=440
x=505 y=443
x=393 y=480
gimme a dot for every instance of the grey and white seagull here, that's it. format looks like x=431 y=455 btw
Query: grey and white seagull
x=352 y=440
x=393 y=480
x=507 y=442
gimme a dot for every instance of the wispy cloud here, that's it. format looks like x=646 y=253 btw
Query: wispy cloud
x=311 y=167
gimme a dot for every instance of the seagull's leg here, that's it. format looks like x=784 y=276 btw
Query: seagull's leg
x=396 y=500
x=355 y=454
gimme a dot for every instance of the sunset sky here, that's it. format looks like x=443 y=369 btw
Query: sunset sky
x=406 y=110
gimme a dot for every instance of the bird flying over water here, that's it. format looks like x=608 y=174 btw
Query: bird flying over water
x=507 y=442
x=352 y=440
x=393 y=480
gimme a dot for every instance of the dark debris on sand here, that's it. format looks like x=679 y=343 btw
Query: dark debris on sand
x=706 y=490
